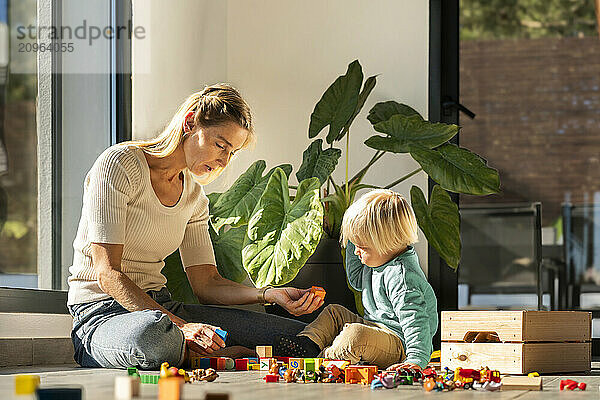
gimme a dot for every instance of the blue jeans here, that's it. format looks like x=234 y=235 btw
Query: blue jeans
x=107 y=335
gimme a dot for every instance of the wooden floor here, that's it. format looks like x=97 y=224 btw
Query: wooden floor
x=98 y=384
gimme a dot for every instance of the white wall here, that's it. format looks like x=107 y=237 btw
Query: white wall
x=282 y=55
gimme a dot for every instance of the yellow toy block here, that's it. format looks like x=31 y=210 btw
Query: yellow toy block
x=341 y=364
x=26 y=384
x=264 y=351
x=296 y=363
x=253 y=367
x=318 y=363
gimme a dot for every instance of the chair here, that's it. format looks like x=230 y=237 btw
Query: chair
x=502 y=253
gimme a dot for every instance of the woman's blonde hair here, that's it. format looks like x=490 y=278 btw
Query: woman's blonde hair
x=215 y=105
x=381 y=219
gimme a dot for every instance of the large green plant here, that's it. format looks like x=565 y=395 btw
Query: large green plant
x=402 y=131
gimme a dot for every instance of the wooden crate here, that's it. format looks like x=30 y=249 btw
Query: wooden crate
x=542 y=341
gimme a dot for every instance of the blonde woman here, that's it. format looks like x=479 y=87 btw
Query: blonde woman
x=142 y=202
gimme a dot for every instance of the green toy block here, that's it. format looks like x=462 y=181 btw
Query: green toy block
x=132 y=371
x=309 y=364
x=149 y=378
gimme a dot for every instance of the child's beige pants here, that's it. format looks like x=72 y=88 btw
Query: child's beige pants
x=343 y=335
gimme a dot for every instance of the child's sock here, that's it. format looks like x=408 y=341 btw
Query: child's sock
x=295 y=346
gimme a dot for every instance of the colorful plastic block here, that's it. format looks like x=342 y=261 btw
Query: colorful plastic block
x=26 y=384
x=170 y=388
x=253 y=367
x=153 y=379
x=264 y=351
x=132 y=371
x=318 y=291
x=253 y=360
x=341 y=364
x=271 y=378
x=363 y=374
x=221 y=333
x=296 y=363
x=72 y=393
x=213 y=362
x=127 y=387
x=265 y=363
x=221 y=364
x=285 y=360
x=309 y=365
x=241 y=364
x=200 y=362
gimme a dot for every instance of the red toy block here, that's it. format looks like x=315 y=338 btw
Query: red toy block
x=285 y=360
x=241 y=364
x=213 y=362
x=271 y=378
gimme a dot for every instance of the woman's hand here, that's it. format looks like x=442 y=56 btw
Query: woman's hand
x=295 y=301
x=202 y=338
x=405 y=365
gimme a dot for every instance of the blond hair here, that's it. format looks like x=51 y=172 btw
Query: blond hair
x=381 y=219
x=213 y=106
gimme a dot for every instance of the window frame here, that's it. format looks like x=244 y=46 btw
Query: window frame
x=49 y=298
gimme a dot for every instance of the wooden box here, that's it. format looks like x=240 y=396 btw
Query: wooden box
x=517 y=342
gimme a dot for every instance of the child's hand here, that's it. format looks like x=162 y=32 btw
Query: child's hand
x=405 y=365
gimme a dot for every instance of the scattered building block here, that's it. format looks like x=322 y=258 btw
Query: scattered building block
x=26 y=384
x=132 y=371
x=309 y=365
x=285 y=360
x=71 y=393
x=229 y=363
x=127 y=387
x=341 y=364
x=214 y=362
x=363 y=374
x=318 y=291
x=221 y=333
x=221 y=363
x=266 y=363
x=153 y=379
x=271 y=378
x=522 y=383
x=253 y=360
x=253 y=367
x=170 y=388
x=318 y=363
x=200 y=362
x=296 y=363
x=264 y=351
x=241 y=364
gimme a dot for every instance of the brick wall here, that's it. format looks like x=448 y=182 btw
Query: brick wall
x=538 y=117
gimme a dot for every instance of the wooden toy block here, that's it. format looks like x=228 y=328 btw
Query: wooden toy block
x=285 y=360
x=309 y=365
x=318 y=291
x=241 y=364
x=264 y=351
x=271 y=378
x=213 y=362
x=341 y=364
x=71 y=393
x=221 y=364
x=266 y=363
x=517 y=342
x=363 y=374
x=26 y=384
x=170 y=388
x=229 y=363
x=127 y=387
x=296 y=363
x=153 y=379
x=199 y=362
x=253 y=367
x=318 y=363
x=221 y=333
x=521 y=383
x=253 y=360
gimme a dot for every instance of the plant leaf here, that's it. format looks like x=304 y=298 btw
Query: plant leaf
x=235 y=206
x=368 y=87
x=457 y=169
x=386 y=109
x=406 y=131
x=177 y=281
x=228 y=253
x=282 y=235
x=317 y=162
x=338 y=103
x=440 y=222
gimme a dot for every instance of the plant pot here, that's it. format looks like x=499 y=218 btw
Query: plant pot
x=324 y=268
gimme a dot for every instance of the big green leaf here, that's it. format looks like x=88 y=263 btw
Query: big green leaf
x=440 y=222
x=362 y=98
x=386 y=109
x=228 y=252
x=235 y=206
x=406 y=131
x=317 y=162
x=338 y=103
x=177 y=281
x=457 y=169
x=282 y=235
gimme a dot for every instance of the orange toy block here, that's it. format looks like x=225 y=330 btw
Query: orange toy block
x=363 y=374
x=319 y=291
x=170 y=388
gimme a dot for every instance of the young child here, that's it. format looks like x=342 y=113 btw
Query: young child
x=400 y=311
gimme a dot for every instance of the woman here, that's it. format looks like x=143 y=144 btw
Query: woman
x=140 y=204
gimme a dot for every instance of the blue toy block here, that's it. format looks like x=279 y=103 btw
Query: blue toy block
x=71 y=393
x=221 y=333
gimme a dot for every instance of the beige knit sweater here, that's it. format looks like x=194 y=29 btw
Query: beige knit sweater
x=121 y=207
